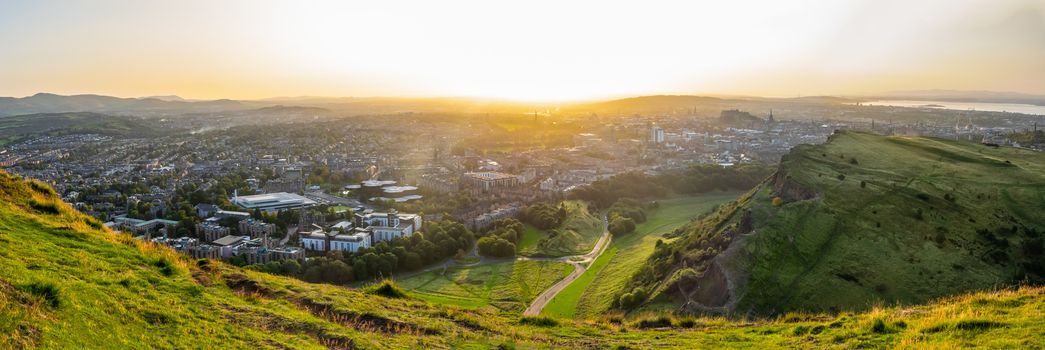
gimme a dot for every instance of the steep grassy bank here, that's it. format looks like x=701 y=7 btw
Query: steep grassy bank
x=859 y=220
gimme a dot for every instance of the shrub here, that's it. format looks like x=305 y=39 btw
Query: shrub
x=165 y=266
x=879 y=326
x=539 y=321
x=777 y=201
x=387 y=289
x=853 y=161
x=632 y=299
x=657 y=322
x=841 y=177
x=687 y=323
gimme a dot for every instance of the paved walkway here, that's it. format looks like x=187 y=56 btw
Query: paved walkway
x=580 y=265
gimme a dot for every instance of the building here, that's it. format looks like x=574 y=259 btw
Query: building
x=656 y=135
x=387 y=226
x=210 y=231
x=436 y=183
x=139 y=226
x=206 y=210
x=256 y=228
x=489 y=180
x=482 y=221
x=272 y=202
x=352 y=241
x=228 y=244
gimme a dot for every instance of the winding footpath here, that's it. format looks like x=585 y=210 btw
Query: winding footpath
x=580 y=265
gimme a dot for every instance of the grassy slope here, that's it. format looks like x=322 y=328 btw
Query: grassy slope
x=626 y=254
x=856 y=244
x=506 y=286
x=577 y=235
x=66 y=284
x=528 y=242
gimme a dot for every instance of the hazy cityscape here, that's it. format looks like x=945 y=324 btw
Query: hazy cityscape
x=472 y=175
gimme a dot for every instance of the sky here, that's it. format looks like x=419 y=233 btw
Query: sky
x=534 y=50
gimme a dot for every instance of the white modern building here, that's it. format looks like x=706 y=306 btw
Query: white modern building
x=387 y=226
x=319 y=240
x=272 y=202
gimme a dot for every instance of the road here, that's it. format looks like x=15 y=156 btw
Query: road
x=580 y=265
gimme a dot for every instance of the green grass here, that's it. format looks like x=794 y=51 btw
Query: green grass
x=528 y=242
x=912 y=219
x=65 y=284
x=499 y=287
x=339 y=208
x=593 y=293
x=577 y=234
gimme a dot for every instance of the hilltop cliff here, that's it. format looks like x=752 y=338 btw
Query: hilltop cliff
x=862 y=219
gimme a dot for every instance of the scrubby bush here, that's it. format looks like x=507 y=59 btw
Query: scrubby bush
x=387 y=288
x=539 y=321
x=630 y=300
x=656 y=322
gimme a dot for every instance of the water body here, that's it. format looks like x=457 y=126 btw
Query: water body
x=963 y=106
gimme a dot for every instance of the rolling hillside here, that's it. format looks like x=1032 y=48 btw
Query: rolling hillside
x=21 y=127
x=67 y=282
x=862 y=219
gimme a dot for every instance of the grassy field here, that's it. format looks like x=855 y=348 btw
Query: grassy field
x=593 y=292
x=506 y=286
x=66 y=282
x=528 y=242
x=577 y=234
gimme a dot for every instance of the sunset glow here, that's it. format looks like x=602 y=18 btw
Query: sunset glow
x=533 y=50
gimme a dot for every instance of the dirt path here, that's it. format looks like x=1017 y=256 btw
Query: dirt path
x=580 y=265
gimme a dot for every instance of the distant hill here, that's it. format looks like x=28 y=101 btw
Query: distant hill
x=164 y=98
x=51 y=103
x=68 y=282
x=20 y=127
x=859 y=220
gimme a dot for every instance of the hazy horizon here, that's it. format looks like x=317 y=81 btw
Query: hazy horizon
x=533 y=51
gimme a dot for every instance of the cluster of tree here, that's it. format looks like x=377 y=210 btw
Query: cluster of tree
x=695 y=179
x=321 y=174
x=624 y=215
x=436 y=202
x=500 y=241
x=544 y=215
x=438 y=240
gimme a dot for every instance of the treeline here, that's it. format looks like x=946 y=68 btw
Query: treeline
x=500 y=241
x=693 y=180
x=544 y=215
x=438 y=240
x=625 y=214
